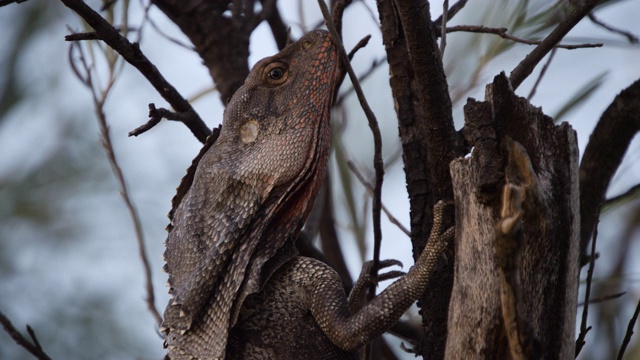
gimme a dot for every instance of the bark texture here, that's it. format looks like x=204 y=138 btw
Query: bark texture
x=546 y=262
x=429 y=142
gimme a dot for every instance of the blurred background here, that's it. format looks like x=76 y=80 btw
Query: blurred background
x=69 y=262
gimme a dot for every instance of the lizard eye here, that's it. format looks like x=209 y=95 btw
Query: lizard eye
x=276 y=74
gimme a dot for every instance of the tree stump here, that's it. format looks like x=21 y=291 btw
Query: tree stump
x=517 y=233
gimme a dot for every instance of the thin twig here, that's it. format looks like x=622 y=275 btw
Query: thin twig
x=377 y=141
x=604 y=298
x=633 y=191
x=369 y=188
x=92 y=35
x=374 y=65
x=34 y=338
x=35 y=349
x=542 y=73
x=362 y=43
x=526 y=66
x=631 y=37
x=585 y=309
x=156 y=115
x=504 y=33
x=162 y=33
x=82 y=36
x=99 y=101
x=453 y=10
x=279 y=29
x=627 y=335
x=107 y=4
x=443 y=26
x=133 y=55
x=135 y=217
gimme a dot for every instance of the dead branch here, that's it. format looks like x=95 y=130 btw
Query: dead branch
x=541 y=75
x=504 y=33
x=526 y=66
x=633 y=39
x=627 y=335
x=602 y=156
x=132 y=54
x=629 y=194
x=370 y=189
x=99 y=99
x=34 y=348
x=453 y=10
x=585 y=310
x=377 y=140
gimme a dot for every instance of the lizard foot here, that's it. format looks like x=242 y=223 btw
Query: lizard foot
x=357 y=298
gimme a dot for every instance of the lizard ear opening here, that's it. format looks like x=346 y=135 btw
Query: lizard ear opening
x=249 y=131
x=275 y=74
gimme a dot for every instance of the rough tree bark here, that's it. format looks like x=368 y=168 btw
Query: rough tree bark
x=545 y=278
x=429 y=143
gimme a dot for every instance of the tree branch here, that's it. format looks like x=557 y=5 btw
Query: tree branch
x=433 y=92
x=35 y=349
x=370 y=189
x=602 y=156
x=279 y=29
x=132 y=54
x=587 y=293
x=526 y=66
x=629 y=194
x=633 y=39
x=99 y=98
x=504 y=33
x=543 y=71
x=627 y=335
x=222 y=41
x=377 y=141
x=453 y=10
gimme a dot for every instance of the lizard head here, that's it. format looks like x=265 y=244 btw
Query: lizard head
x=277 y=120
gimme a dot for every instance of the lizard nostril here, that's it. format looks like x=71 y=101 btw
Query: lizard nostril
x=306 y=44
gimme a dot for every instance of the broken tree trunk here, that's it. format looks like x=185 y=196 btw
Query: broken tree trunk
x=517 y=233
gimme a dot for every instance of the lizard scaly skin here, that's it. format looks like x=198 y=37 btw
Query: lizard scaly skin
x=238 y=290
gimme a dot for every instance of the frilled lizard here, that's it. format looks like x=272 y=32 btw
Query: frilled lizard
x=238 y=289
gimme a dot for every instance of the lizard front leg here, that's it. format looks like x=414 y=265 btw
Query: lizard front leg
x=351 y=331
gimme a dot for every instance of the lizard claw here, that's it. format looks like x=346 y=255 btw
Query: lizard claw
x=365 y=274
x=357 y=297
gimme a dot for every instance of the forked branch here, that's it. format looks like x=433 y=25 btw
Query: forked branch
x=526 y=66
x=34 y=348
x=132 y=54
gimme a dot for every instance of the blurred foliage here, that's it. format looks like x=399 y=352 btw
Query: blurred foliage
x=42 y=211
x=29 y=21
x=580 y=97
